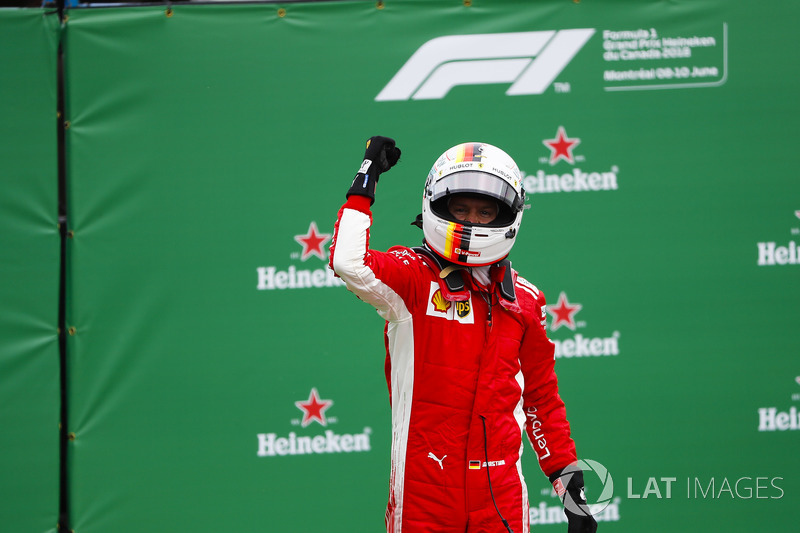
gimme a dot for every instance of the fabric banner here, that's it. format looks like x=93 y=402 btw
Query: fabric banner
x=29 y=272
x=220 y=378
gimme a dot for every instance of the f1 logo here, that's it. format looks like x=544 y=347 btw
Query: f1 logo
x=529 y=60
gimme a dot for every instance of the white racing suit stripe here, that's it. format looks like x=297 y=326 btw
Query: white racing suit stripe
x=348 y=263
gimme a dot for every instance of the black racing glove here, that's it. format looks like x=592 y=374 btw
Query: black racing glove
x=380 y=156
x=568 y=484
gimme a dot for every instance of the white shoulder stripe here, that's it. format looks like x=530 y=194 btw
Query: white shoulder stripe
x=523 y=283
x=530 y=290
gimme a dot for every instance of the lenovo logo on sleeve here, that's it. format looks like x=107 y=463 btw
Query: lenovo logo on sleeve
x=529 y=61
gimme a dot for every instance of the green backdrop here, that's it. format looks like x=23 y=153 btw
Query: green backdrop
x=220 y=379
x=29 y=272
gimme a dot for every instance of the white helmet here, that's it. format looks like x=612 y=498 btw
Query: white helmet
x=473 y=169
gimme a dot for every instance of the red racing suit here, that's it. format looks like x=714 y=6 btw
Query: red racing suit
x=466 y=380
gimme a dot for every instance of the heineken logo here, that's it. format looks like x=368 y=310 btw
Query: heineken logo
x=312 y=244
x=563 y=313
x=313 y=410
x=776 y=253
x=555 y=177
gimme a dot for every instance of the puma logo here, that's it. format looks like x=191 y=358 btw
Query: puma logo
x=437 y=459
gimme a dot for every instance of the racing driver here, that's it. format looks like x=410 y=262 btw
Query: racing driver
x=468 y=363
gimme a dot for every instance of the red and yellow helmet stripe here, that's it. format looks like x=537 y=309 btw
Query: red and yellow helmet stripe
x=468 y=152
x=456 y=242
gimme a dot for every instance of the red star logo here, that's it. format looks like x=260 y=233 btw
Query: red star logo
x=312 y=242
x=314 y=409
x=561 y=147
x=564 y=313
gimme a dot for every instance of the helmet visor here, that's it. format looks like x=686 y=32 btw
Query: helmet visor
x=471 y=182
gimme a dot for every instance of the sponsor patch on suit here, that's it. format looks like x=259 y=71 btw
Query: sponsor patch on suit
x=438 y=306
